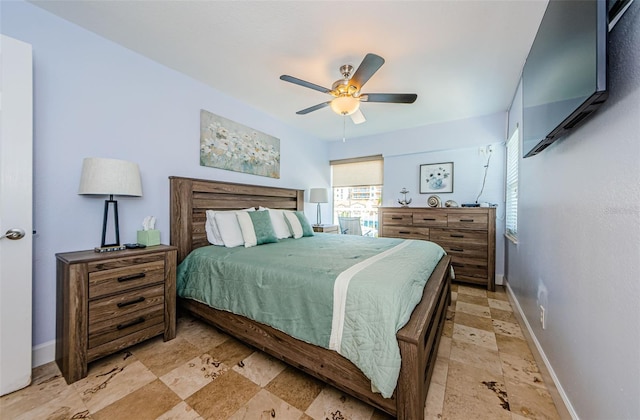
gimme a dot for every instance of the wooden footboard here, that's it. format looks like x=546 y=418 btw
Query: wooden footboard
x=418 y=339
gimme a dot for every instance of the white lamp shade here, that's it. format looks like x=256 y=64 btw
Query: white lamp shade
x=345 y=105
x=102 y=176
x=318 y=195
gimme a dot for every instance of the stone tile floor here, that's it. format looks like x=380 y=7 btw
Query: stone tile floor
x=485 y=370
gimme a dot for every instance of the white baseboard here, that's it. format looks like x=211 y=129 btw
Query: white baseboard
x=43 y=353
x=563 y=395
x=500 y=279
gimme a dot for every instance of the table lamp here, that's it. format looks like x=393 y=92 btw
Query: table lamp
x=318 y=195
x=110 y=177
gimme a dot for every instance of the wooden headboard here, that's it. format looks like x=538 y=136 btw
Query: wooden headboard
x=190 y=198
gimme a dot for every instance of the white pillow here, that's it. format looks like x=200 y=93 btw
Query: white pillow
x=279 y=224
x=246 y=229
x=294 y=224
x=211 y=227
x=229 y=229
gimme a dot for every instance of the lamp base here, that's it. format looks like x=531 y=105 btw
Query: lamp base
x=109 y=248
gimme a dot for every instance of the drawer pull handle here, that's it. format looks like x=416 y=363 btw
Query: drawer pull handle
x=404 y=232
x=457 y=249
x=429 y=220
x=131 y=277
x=396 y=218
x=131 y=302
x=467 y=220
x=456 y=236
x=130 y=323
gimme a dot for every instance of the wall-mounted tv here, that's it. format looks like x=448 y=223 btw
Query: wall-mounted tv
x=565 y=76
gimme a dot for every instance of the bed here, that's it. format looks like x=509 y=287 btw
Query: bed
x=418 y=340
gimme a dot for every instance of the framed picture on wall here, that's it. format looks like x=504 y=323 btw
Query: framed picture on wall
x=436 y=178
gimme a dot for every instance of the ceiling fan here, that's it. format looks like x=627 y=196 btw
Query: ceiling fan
x=347 y=91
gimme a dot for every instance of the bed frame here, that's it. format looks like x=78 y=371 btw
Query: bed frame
x=418 y=339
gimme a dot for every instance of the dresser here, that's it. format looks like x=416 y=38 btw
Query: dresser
x=112 y=300
x=468 y=234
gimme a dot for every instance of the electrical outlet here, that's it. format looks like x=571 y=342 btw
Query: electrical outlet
x=490 y=148
x=543 y=320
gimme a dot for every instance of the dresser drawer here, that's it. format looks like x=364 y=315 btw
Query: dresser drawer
x=468 y=251
x=119 y=279
x=468 y=269
x=458 y=236
x=106 y=330
x=429 y=218
x=406 y=232
x=468 y=220
x=392 y=218
x=125 y=303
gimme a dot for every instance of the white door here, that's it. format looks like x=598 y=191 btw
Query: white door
x=16 y=155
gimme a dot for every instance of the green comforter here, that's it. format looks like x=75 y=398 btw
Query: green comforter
x=348 y=293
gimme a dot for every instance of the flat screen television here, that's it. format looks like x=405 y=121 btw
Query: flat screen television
x=564 y=79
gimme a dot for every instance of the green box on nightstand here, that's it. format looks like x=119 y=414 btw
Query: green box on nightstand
x=149 y=237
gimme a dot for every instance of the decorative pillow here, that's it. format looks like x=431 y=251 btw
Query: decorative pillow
x=279 y=224
x=211 y=227
x=298 y=224
x=307 y=230
x=256 y=228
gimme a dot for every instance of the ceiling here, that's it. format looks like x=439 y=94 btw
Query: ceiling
x=462 y=58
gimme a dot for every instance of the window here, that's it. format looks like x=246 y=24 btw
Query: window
x=511 y=205
x=357 y=190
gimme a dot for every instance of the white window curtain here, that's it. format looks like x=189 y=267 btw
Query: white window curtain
x=358 y=172
x=511 y=206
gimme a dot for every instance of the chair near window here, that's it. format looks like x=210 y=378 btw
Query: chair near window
x=350 y=226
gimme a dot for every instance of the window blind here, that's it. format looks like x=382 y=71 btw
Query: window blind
x=511 y=193
x=365 y=171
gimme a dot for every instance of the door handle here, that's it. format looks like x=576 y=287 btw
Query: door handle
x=13 y=234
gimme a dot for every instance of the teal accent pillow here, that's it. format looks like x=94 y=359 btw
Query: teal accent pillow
x=263 y=227
x=306 y=227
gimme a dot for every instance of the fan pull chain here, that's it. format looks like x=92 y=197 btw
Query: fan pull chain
x=344 y=128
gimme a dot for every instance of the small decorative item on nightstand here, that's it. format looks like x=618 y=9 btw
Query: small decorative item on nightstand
x=148 y=235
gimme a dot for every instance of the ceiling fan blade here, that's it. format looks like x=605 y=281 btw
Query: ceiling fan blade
x=313 y=108
x=358 y=117
x=396 y=98
x=368 y=67
x=304 y=83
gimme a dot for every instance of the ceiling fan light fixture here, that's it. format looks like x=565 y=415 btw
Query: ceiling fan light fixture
x=345 y=105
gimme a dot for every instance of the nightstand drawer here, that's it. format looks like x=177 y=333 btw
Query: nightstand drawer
x=326 y=229
x=111 y=329
x=119 y=279
x=118 y=305
x=468 y=220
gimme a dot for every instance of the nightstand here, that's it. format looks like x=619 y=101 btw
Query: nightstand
x=326 y=228
x=112 y=300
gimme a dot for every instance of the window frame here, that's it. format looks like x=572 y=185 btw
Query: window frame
x=512 y=186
